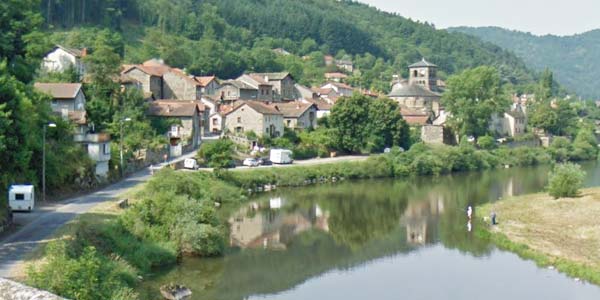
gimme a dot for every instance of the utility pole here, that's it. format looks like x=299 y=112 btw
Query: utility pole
x=44 y=159
x=121 y=143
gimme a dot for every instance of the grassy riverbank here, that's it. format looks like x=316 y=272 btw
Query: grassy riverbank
x=561 y=233
x=174 y=214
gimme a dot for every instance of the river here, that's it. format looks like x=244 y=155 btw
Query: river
x=374 y=239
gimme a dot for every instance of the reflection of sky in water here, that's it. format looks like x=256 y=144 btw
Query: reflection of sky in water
x=439 y=273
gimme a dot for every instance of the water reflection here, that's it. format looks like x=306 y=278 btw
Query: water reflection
x=266 y=226
x=286 y=238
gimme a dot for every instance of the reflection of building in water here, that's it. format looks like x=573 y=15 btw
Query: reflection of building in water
x=272 y=227
x=418 y=215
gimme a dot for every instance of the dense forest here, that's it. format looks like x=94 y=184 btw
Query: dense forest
x=575 y=59
x=228 y=37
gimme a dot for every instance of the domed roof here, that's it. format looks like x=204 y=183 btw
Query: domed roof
x=412 y=90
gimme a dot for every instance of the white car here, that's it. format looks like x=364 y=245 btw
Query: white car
x=251 y=162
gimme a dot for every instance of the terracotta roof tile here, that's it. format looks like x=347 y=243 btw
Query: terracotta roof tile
x=175 y=108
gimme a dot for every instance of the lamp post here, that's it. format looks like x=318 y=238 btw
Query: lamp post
x=121 y=143
x=53 y=125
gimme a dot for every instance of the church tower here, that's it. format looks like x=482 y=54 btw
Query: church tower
x=423 y=73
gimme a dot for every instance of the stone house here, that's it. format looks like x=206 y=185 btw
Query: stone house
x=233 y=90
x=178 y=85
x=345 y=64
x=262 y=119
x=150 y=78
x=186 y=117
x=297 y=115
x=208 y=84
x=60 y=59
x=264 y=89
x=282 y=83
x=69 y=101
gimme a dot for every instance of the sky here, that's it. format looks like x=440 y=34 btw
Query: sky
x=536 y=16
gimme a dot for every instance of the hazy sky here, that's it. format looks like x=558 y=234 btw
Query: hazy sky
x=535 y=16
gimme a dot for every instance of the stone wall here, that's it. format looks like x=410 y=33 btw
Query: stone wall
x=431 y=134
x=10 y=290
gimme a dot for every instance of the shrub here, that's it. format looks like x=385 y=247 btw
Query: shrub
x=84 y=276
x=218 y=154
x=565 y=180
x=585 y=146
x=486 y=142
x=561 y=149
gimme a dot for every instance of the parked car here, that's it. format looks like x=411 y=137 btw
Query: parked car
x=251 y=162
x=265 y=161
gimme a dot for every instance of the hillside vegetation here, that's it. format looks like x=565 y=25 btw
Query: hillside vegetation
x=228 y=37
x=575 y=60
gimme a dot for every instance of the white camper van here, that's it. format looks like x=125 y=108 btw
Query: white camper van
x=21 y=197
x=281 y=156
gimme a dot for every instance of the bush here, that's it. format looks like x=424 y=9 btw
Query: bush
x=561 y=149
x=218 y=155
x=565 y=180
x=486 y=142
x=84 y=276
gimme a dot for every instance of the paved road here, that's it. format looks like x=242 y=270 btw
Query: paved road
x=307 y=162
x=36 y=227
x=39 y=225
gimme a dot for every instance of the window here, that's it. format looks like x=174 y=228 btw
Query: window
x=54 y=102
x=215 y=121
x=289 y=123
x=262 y=92
x=20 y=197
x=105 y=149
x=239 y=119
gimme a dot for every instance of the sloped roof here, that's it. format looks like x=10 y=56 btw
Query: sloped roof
x=72 y=51
x=239 y=84
x=414 y=117
x=292 y=109
x=422 y=64
x=180 y=73
x=272 y=76
x=59 y=90
x=320 y=104
x=153 y=71
x=259 y=107
x=336 y=75
x=412 y=90
x=339 y=85
x=205 y=80
x=175 y=108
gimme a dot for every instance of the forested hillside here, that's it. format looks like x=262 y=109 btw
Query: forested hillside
x=575 y=59
x=227 y=37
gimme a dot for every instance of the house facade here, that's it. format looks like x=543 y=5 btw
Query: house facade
x=185 y=130
x=282 y=84
x=340 y=89
x=66 y=97
x=510 y=123
x=69 y=101
x=208 y=84
x=178 y=85
x=298 y=115
x=233 y=90
x=150 y=78
x=262 y=119
x=62 y=58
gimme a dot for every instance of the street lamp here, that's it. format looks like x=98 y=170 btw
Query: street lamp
x=53 y=125
x=121 y=142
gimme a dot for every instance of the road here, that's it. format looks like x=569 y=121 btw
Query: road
x=307 y=162
x=36 y=227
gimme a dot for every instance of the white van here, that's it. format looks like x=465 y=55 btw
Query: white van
x=21 y=197
x=190 y=163
x=281 y=156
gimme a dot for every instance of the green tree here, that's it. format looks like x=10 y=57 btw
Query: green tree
x=217 y=154
x=386 y=124
x=349 y=119
x=565 y=180
x=473 y=96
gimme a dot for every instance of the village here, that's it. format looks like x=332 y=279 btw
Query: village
x=255 y=105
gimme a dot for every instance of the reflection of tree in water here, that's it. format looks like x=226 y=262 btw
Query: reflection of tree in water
x=367 y=220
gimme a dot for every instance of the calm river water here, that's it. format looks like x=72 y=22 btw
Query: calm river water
x=384 y=239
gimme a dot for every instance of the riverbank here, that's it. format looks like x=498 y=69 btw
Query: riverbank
x=176 y=213
x=562 y=233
